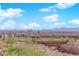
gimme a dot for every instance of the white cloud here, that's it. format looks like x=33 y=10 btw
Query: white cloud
x=57 y=6
x=59 y=23
x=64 y=5
x=8 y=25
x=51 y=18
x=29 y=26
x=33 y=24
x=23 y=26
x=50 y=8
x=10 y=13
x=74 y=21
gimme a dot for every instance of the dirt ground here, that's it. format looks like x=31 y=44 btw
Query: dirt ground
x=50 y=51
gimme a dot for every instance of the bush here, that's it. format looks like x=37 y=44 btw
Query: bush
x=20 y=51
x=34 y=40
x=10 y=41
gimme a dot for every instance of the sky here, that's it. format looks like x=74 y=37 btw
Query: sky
x=22 y=16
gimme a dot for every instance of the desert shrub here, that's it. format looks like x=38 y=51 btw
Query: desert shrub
x=31 y=40
x=21 y=51
x=72 y=41
x=10 y=41
x=34 y=40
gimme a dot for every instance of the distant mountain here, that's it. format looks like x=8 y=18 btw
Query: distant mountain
x=44 y=32
x=66 y=29
x=56 y=30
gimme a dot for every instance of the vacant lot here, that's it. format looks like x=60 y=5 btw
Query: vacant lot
x=30 y=46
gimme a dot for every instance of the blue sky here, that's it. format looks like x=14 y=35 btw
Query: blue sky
x=39 y=15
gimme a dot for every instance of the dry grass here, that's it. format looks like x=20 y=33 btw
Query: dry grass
x=17 y=44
